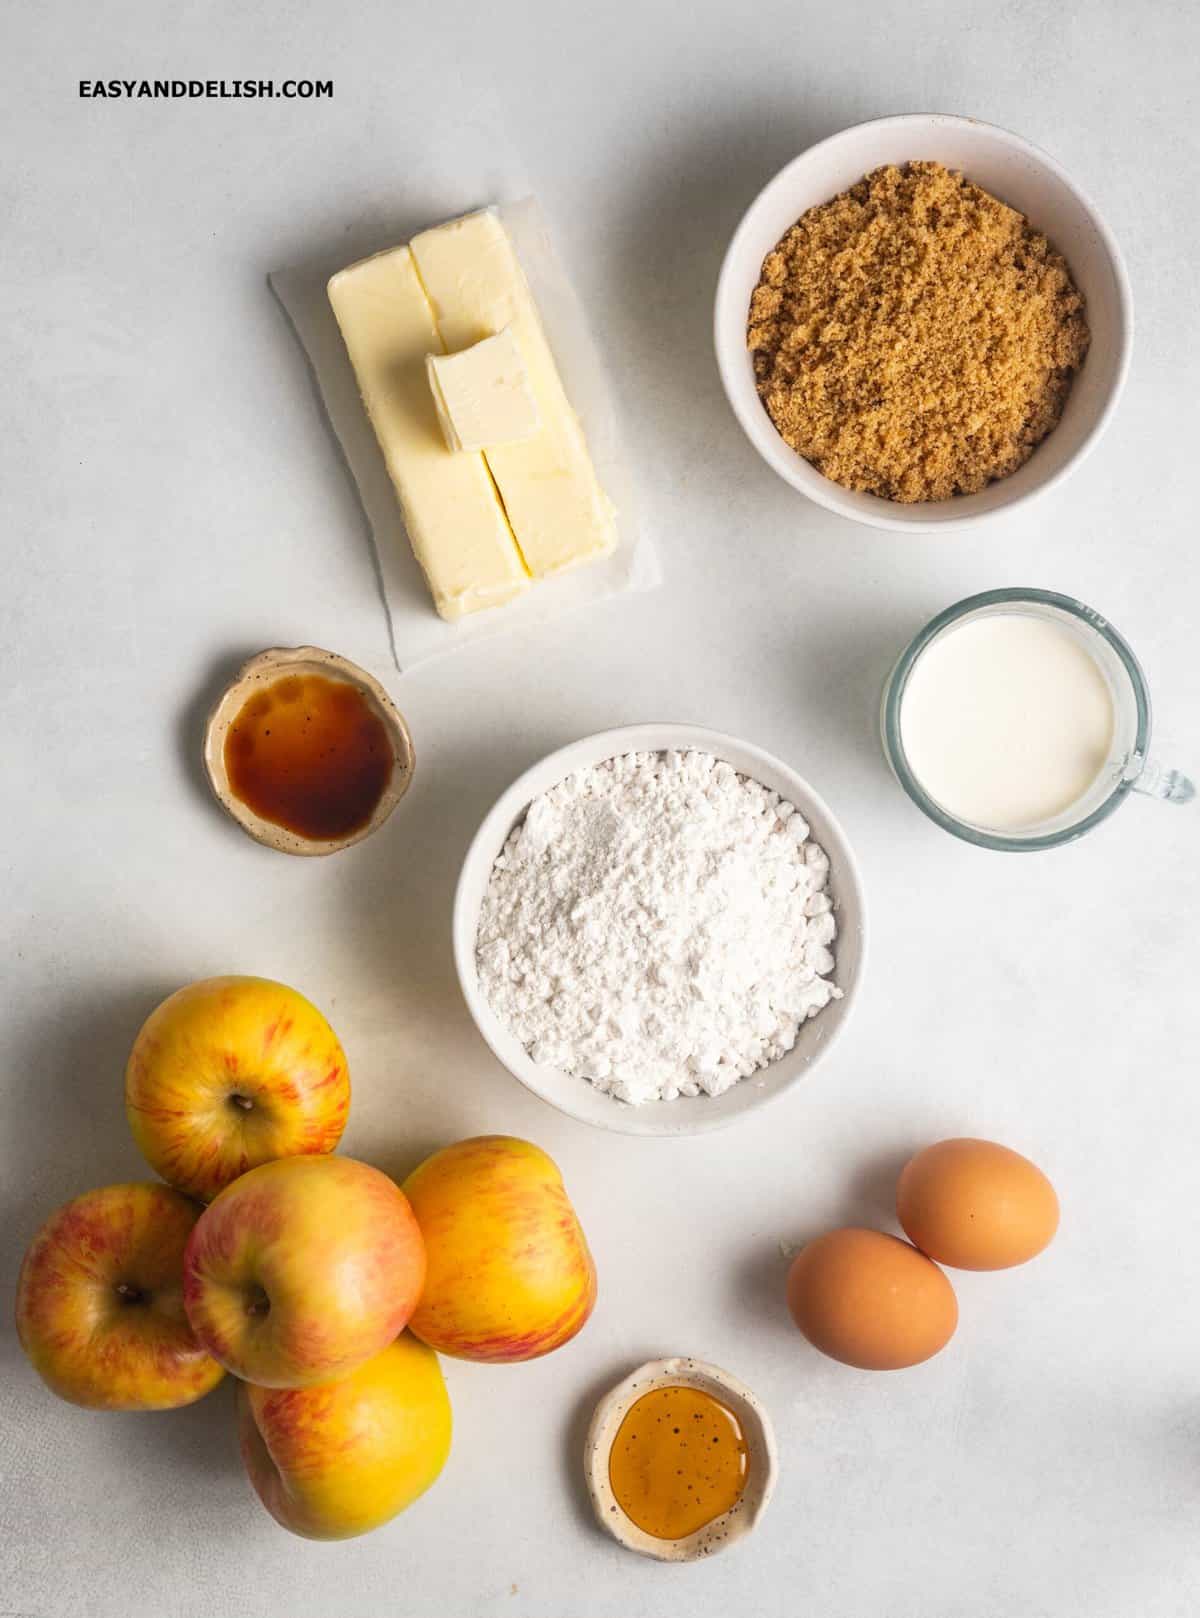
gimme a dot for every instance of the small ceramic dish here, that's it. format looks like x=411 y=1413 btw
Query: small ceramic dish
x=689 y=1115
x=264 y=670
x=762 y=1468
x=1015 y=172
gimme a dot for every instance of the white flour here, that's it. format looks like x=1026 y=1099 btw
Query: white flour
x=658 y=925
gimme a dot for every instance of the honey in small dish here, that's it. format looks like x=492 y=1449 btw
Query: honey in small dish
x=679 y=1461
x=310 y=754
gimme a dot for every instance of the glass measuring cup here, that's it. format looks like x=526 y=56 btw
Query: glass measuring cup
x=1129 y=767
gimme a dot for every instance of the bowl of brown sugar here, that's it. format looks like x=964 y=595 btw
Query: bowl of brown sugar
x=922 y=322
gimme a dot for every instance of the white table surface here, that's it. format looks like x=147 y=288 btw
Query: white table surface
x=174 y=502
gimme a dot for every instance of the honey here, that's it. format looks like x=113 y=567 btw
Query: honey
x=310 y=754
x=679 y=1460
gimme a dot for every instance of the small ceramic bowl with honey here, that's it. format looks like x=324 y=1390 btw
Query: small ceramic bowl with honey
x=680 y=1460
x=307 y=751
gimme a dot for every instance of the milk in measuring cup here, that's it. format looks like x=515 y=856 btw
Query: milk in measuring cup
x=1006 y=720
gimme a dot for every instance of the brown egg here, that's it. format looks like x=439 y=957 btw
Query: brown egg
x=975 y=1205
x=870 y=1300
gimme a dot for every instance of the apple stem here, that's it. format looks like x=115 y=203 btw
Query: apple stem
x=127 y=1293
x=241 y=1101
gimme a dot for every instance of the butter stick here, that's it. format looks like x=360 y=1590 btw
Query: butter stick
x=558 y=511
x=482 y=394
x=456 y=524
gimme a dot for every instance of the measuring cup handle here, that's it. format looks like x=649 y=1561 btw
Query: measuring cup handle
x=1156 y=781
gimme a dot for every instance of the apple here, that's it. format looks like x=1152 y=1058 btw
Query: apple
x=229 y=1073
x=302 y=1269
x=100 y=1302
x=338 y=1460
x=509 y=1272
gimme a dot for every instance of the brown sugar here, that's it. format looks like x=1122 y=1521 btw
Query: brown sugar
x=915 y=338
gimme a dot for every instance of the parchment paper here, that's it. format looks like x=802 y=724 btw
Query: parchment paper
x=417 y=632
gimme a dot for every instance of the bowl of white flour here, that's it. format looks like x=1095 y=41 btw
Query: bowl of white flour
x=659 y=928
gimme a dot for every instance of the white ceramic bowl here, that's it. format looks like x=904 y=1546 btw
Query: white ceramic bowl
x=1019 y=174
x=688 y=1115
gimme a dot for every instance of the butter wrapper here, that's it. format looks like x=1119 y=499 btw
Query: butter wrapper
x=417 y=633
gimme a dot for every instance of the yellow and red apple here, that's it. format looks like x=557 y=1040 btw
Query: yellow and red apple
x=229 y=1073
x=337 y=1460
x=100 y=1302
x=303 y=1269
x=509 y=1275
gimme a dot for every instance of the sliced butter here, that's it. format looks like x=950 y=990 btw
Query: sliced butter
x=482 y=394
x=475 y=283
x=456 y=525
